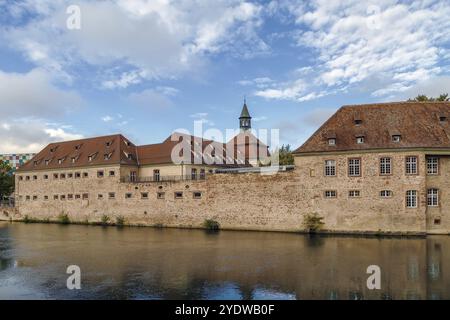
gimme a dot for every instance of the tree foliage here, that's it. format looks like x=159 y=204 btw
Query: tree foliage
x=425 y=98
x=285 y=155
x=6 y=180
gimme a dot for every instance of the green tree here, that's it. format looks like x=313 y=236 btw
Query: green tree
x=6 y=180
x=422 y=98
x=285 y=155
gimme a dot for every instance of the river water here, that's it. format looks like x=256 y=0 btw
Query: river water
x=147 y=263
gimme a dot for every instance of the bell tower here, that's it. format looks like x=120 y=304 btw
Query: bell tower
x=245 y=121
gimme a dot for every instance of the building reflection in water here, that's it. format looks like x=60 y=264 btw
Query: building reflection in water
x=145 y=263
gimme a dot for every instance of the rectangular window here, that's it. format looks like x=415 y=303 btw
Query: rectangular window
x=332 y=142
x=112 y=173
x=85 y=196
x=385 y=166
x=70 y=197
x=111 y=195
x=396 y=138
x=133 y=176
x=411 y=199
x=354 y=193
x=178 y=195
x=144 y=195
x=100 y=174
x=385 y=193
x=77 y=196
x=55 y=176
x=202 y=174
x=330 y=168
x=85 y=174
x=27 y=198
x=411 y=165
x=100 y=196
x=34 y=177
x=45 y=197
x=62 y=175
x=197 y=195
x=433 y=197
x=359 y=140
x=432 y=165
x=70 y=175
x=20 y=178
x=330 y=194
x=160 y=195
x=194 y=174
x=55 y=197
x=27 y=178
x=128 y=195
x=354 y=167
x=156 y=175
x=77 y=175
x=63 y=197
x=35 y=198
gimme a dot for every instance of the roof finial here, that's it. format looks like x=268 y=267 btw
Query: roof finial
x=245 y=99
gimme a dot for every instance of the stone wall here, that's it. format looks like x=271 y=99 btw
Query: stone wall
x=253 y=201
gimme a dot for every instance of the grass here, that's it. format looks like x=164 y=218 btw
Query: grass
x=63 y=218
x=105 y=220
x=120 y=221
x=211 y=224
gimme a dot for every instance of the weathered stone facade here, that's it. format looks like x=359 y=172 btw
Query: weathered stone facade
x=252 y=201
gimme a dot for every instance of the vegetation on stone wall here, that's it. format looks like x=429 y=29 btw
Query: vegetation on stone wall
x=211 y=224
x=6 y=180
x=312 y=222
x=63 y=218
x=120 y=221
x=105 y=220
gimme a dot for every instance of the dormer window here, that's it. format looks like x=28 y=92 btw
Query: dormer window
x=78 y=147
x=47 y=162
x=331 y=141
x=92 y=157
x=130 y=156
x=35 y=163
x=127 y=143
x=396 y=138
x=442 y=118
x=108 y=144
x=107 y=156
x=360 y=140
x=358 y=122
x=60 y=161
x=73 y=160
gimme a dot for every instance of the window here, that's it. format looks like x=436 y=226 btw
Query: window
x=70 y=197
x=100 y=196
x=60 y=161
x=330 y=168
x=77 y=175
x=133 y=176
x=77 y=196
x=385 y=166
x=358 y=122
x=330 y=194
x=437 y=221
x=130 y=156
x=100 y=174
x=178 y=195
x=385 y=193
x=85 y=174
x=332 y=141
x=411 y=165
x=354 y=167
x=156 y=175
x=27 y=178
x=411 y=199
x=85 y=196
x=70 y=175
x=202 y=174
x=144 y=195
x=55 y=176
x=111 y=195
x=396 y=138
x=45 y=197
x=354 y=193
x=35 y=198
x=34 y=177
x=442 y=118
x=433 y=197
x=432 y=165
x=107 y=156
x=62 y=197
x=108 y=144
x=197 y=195
x=359 y=140
x=45 y=176
x=27 y=198
x=55 y=197
x=160 y=195
x=62 y=176
x=112 y=173
x=128 y=195
x=47 y=162
x=73 y=159
x=20 y=178
x=194 y=174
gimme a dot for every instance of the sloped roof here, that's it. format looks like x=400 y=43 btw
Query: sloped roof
x=418 y=123
x=244 y=112
x=106 y=150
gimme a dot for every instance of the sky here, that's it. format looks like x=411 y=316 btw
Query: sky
x=147 y=68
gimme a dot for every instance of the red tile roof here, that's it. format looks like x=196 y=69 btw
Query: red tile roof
x=418 y=124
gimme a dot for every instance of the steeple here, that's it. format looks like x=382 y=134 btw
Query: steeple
x=245 y=121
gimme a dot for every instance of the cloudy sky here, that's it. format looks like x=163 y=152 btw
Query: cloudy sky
x=146 y=68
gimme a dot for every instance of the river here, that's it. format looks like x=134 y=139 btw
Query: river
x=148 y=263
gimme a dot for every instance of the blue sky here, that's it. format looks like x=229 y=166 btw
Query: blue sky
x=146 y=68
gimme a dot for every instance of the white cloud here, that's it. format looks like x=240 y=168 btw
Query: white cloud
x=259 y=119
x=155 y=39
x=31 y=135
x=34 y=94
x=261 y=82
x=151 y=99
x=107 y=118
x=402 y=44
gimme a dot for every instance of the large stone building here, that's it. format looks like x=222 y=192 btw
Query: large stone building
x=369 y=168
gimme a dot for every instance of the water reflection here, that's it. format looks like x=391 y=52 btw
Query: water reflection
x=145 y=263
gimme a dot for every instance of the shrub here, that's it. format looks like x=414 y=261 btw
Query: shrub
x=105 y=220
x=211 y=224
x=26 y=219
x=63 y=218
x=313 y=222
x=120 y=221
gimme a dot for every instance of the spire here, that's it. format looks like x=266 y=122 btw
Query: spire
x=245 y=118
